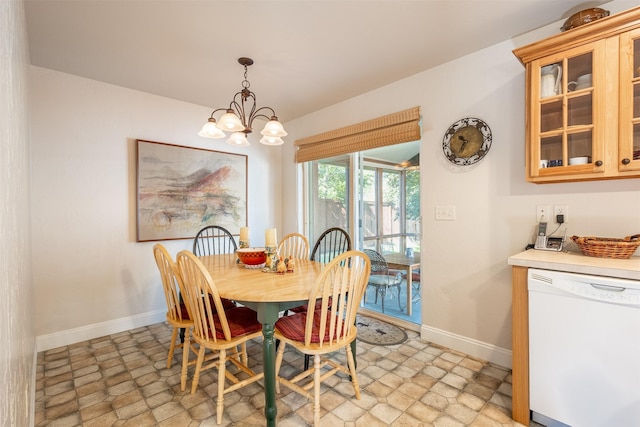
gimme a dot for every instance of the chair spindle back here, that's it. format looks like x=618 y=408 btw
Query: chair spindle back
x=213 y=240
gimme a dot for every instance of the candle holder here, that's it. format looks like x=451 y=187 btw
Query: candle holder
x=243 y=244
x=272 y=256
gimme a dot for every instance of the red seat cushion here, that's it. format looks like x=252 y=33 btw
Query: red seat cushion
x=304 y=308
x=241 y=320
x=293 y=327
x=226 y=303
x=183 y=310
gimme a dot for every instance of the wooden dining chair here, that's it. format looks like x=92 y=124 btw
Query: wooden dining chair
x=213 y=240
x=331 y=243
x=340 y=288
x=295 y=245
x=178 y=315
x=221 y=331
x=382 y=278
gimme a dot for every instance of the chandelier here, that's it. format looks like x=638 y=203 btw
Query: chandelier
x=238 y=118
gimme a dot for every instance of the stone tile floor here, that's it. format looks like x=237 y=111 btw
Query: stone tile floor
x=122 y=380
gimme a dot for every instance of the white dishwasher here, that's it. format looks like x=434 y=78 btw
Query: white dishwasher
x=584 y=350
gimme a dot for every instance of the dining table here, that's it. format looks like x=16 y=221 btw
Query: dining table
x=268 y=293
x=400 y=261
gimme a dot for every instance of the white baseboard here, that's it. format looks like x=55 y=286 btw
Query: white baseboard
x=479 y=349
x=96 y=330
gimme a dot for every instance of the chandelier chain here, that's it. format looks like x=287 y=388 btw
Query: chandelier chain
x=245 y=82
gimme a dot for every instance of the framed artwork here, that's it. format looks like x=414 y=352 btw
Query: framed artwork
x=182 y=189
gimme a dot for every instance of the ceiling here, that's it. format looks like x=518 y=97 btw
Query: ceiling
x=308 y=54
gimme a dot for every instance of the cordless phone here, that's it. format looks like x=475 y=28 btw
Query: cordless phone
x=541 y=237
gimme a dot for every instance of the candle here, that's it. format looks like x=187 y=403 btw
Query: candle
x=270 y=237
x=244 y=234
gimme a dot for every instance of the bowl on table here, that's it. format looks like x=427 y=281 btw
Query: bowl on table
x=252 y=257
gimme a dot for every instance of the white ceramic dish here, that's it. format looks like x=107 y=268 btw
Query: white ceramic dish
x=582 y=82
x=579 y=160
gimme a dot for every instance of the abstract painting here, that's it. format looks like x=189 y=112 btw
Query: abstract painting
x=182 y=189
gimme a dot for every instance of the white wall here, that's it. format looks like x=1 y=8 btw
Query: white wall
x=17 y=362
x=91 y=277
x=466 y=281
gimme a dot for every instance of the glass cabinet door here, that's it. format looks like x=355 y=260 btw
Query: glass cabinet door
x=629 y=147
x=583 y=102
x=563 y=136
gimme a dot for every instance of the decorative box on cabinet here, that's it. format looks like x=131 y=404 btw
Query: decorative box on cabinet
x=583 y=102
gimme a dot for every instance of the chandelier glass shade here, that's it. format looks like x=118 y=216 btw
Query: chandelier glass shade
x=239 y=116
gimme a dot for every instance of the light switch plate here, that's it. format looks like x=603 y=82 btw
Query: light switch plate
x=445 y=213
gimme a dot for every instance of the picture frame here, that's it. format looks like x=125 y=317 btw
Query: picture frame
x=182 y=189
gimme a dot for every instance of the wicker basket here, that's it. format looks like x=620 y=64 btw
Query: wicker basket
x=608 y=248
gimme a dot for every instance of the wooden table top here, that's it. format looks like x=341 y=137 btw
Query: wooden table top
x=400 y=259
x=236 y=282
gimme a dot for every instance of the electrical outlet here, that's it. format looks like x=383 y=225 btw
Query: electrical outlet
x=543 y=213
x=561 y=210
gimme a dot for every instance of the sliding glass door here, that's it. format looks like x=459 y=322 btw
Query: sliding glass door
x=382 y=209
x=374 y=195
x=330 y=188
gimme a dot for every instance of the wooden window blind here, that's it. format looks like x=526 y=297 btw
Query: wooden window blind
x=395 y=128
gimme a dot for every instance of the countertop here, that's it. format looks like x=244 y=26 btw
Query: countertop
x=575 y=262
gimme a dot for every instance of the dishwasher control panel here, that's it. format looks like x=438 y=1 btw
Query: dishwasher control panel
x=605 y=289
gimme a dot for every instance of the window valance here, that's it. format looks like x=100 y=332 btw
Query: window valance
x=395 y=128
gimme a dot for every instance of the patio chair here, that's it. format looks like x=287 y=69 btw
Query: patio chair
x=415 y=282
x=383 y=279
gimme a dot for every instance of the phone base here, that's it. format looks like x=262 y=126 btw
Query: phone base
x=545 y=243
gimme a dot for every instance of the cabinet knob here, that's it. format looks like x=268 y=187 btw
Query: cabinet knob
x=626 y=161
x=599 y=163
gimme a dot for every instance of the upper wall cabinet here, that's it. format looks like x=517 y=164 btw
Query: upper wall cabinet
x=583 y=102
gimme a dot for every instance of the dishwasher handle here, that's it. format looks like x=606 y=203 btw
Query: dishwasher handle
x=608 y=288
